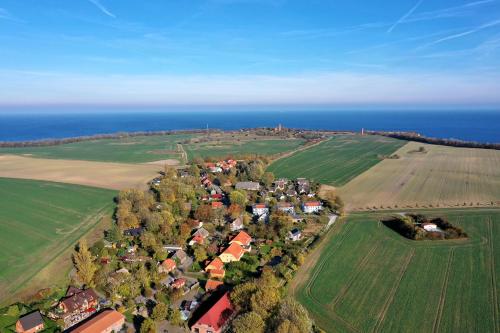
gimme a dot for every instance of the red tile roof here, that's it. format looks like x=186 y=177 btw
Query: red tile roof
x=242 y=238
x=260 y=206
x=217 y=204
x=235 y=250
x=217 y=273
x=101 y=322
x=168 y=264
x=217 y=316
x=179 y=283
x=213 y=284
x=215 y=264
x=312 y=203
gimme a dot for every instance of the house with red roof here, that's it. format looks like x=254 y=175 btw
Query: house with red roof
x=234 y=252
x=217 y=273
x=216 y=318
x=196 y=240
x=242 y=238
x=213 y=285
x=178 y=283
x=214 y=264
x=311 y=207
x=217 y=204
x=167 y=266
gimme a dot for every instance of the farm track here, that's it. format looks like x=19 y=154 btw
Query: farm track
x=442 y=297
x=393 y=291
x=493 y=277
x=358 y=270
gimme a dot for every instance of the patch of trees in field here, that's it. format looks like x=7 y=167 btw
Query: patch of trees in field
x=411 y=226
x=410 y=136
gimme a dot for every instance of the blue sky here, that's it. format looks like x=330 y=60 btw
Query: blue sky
x=394 y=53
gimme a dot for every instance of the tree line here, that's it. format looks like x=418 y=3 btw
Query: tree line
x=410 y=136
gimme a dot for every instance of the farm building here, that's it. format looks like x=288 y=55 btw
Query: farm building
x=215 y=319
x=105 y=322
x=30 y=323
x=311 y=207
x=248 y=186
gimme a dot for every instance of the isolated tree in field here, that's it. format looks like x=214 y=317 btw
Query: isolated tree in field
x=248 y=322
x=84 y=264
x=238 y=197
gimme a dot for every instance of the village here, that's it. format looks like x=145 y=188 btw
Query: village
x=176 y=256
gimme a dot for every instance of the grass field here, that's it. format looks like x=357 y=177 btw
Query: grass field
x=230 y=147
x=367 y=278
x=98 y=174
x=439 y=177
x=337 y=160
x=139 y=149
x=39 y=222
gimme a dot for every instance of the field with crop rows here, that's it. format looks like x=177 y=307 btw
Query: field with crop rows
x=369 y=279
x=338 y=160
x=438 y=176
x=40 y=221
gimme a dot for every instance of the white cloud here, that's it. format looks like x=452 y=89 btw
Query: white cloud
x=334 y=88
x=102 y=8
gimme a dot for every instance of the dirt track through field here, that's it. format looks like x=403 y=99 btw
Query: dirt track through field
x=115 y=176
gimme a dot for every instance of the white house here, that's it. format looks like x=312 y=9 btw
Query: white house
x=311 y=207
x=429 y=227
x=295 y=235
x=237 y=224
x=260 y=210
x=286 y=207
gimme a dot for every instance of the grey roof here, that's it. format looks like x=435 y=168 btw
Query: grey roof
x=202 y=232
x=253 y=186
x=31 y=320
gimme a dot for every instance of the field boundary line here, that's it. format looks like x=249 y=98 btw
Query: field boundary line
x=361 y=265
x=297 y=150
x=442 y=296
x=393 y=292
x=493 y=277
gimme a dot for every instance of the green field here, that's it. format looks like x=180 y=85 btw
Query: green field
x=370 y=279
x=40 y=221
x=138 y=149
x=235 y=148
x=337 y=160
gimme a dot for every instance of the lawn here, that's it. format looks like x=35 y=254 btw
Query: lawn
x=40 y=222
x=337 y=160
x=227 y=146
x=138 y=149
x=437 y=177
x=368 y=278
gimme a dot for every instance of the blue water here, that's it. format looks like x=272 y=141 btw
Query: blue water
x=482 y=126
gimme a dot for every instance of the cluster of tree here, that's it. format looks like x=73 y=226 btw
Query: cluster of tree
x=411 y=226
x=262 y=307
x=120 y=135
x=409 y=136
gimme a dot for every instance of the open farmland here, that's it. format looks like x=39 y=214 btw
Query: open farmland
x=365 y=277
x=337 y=160
x=139 y=149
x=98 y=174
x=438 y=177
x=39 y=222
x=227 y=146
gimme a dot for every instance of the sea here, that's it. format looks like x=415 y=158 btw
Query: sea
x=480 y=126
